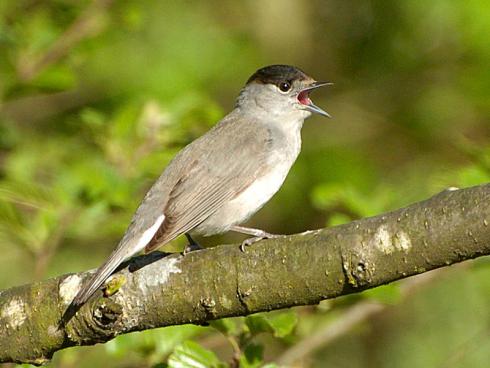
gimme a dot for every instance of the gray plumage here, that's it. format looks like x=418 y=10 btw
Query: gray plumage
x=222 y=178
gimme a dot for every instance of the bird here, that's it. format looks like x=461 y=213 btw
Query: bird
x=218 y=181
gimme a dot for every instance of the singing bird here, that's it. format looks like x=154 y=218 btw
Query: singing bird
x=221 y=179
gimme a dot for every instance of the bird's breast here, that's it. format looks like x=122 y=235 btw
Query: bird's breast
x=249 y=201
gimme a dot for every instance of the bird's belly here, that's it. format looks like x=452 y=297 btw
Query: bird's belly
x=242 y=207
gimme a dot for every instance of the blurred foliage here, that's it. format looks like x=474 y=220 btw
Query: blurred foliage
x=97 y=96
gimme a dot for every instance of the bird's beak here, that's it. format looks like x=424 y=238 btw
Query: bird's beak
x=304 y=99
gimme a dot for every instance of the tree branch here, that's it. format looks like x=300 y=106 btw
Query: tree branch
x=160 y=290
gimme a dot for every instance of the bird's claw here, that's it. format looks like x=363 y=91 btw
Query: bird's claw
x=190 y=248
x=250 y=241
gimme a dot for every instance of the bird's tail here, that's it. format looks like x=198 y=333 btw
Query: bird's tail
x=94 y=282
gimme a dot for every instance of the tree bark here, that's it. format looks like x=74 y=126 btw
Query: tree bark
x=161 y=290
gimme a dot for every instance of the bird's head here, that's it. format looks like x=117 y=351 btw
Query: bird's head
x=282 y=91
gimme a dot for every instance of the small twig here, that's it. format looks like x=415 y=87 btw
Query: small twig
x=88 y=23
x=356 y=314
x=50 y=246
x=237 y=351
x=10 y=196
x=467 y=347
x=351 y=318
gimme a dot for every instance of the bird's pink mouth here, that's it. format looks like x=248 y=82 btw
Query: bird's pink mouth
x=303 y=98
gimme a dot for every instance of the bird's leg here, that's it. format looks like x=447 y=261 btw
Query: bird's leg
x=256 y=233
x=193 y=245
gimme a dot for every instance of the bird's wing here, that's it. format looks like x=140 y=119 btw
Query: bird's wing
x=190 y=190
x=211 y=181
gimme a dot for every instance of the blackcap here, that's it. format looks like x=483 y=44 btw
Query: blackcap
x=222 y=178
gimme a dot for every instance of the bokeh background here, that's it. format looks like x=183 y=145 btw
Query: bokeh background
x=97 y=96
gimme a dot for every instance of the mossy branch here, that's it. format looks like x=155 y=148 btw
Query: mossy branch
x=161 y=290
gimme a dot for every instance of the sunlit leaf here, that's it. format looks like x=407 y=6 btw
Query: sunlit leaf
x=280 y=324
x=387 y=294
x=157 y=343
x=227 y=326
x=252 y=356
x=192 y=355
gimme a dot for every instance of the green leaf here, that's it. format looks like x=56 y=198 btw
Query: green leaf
x=158 y=342
x=283 y=323
x=338 y=219
x=472 y=175
x=258 y=323
x=58 y=78
x=192 y=355
x=386 y=294
x=252 y=356
x=226 y=326
x=280 y=324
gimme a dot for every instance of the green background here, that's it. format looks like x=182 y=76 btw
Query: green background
x=97 y=96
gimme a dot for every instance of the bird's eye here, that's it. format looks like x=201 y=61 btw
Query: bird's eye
x=285 y=86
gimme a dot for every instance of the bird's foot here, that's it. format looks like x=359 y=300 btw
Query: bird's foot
x=192 y=246
x=250 y=241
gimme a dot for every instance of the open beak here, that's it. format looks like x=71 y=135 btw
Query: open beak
x=304 y=98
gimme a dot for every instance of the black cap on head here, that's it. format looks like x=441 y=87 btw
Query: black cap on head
x=275 y=74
